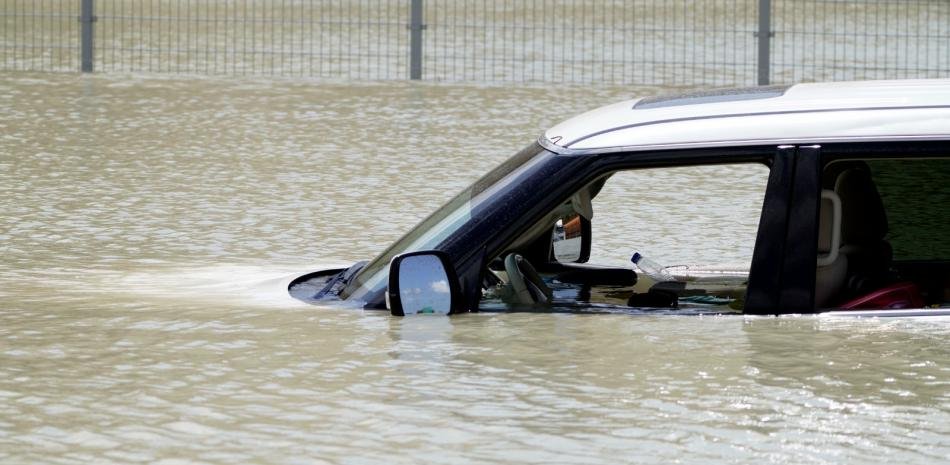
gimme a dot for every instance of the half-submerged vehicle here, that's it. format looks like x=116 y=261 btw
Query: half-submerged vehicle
x=854 y=216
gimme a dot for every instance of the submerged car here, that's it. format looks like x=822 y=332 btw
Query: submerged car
x=854 y=215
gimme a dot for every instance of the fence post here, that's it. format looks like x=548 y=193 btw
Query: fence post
x=416 y=26
x=87 y=19
x=765 y=40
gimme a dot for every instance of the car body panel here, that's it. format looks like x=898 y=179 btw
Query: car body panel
x=805 y=113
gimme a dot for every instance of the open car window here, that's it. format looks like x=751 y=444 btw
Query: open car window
x=643 y=211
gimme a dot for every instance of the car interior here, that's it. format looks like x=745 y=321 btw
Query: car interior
x=883 y=243
x=884 y=234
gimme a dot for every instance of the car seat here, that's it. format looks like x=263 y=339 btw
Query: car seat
x=832 y=270
x=863 y=228
x=856 y=230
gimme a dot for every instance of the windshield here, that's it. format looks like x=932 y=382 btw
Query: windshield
x=440 y=225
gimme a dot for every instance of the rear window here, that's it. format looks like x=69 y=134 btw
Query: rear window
x=916 y=196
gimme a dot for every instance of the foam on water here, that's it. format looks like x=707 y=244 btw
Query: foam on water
x=227 y=285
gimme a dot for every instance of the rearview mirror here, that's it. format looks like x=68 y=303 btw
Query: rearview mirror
x=570 y=239
x=422 y=282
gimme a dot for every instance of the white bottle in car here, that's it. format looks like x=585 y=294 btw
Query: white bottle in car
x=651 y=268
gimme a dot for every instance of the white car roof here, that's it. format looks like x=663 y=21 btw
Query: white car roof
x=803 y=113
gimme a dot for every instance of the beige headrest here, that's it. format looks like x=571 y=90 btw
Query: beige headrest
x=829 y=227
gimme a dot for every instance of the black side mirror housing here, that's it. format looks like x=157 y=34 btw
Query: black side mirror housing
x=423 y=282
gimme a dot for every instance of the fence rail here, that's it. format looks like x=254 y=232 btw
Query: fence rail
x=663 y=42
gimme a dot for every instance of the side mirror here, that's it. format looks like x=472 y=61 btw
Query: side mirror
x=570 y=239
x=422 y=282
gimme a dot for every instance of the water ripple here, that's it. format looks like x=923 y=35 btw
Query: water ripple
x=148 y=224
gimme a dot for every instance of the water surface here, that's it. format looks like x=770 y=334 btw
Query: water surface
x=147 y=223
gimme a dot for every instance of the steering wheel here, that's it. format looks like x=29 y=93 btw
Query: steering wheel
x=528 y=287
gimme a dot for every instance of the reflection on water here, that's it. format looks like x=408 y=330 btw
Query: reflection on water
x=148 y=225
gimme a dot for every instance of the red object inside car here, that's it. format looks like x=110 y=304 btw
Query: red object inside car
x=900 y=295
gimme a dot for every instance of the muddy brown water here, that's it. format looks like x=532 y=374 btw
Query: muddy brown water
x=145 y=223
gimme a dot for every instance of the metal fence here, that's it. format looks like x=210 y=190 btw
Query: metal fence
x=663 y=42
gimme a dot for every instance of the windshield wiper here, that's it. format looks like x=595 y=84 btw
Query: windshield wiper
x=337 y=283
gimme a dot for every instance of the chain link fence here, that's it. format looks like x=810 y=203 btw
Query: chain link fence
x=661 y=42
x=833 y=40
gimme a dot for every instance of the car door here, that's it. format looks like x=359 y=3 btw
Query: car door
x=769 y=285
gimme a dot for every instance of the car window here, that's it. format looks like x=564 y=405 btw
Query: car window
x=696 y=215
x=694 y=229
x=443 y=222
x=916 y=197
x=894 y=235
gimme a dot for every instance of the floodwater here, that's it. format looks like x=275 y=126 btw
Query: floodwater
x=146 y=224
